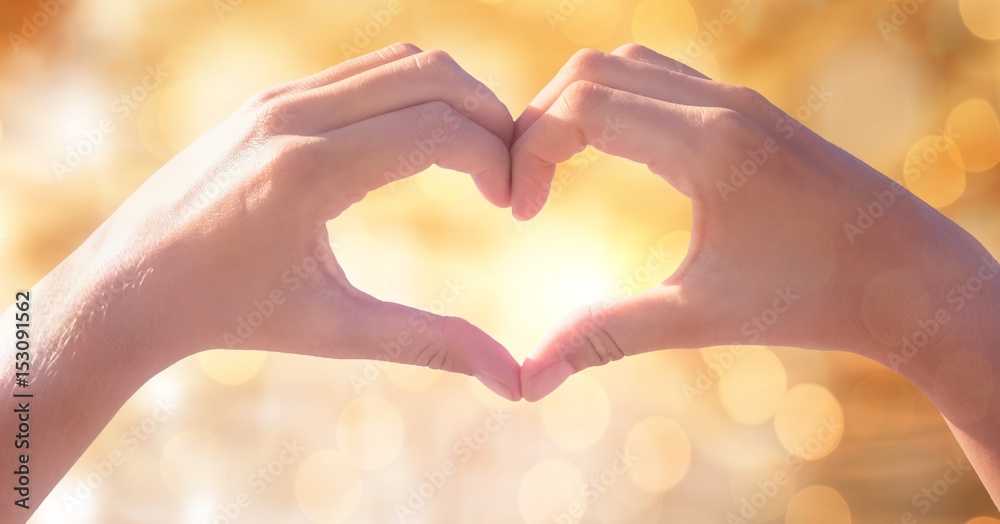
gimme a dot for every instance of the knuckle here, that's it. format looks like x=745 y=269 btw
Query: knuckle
x=747 y=99
x=273 y=119
x=581 y=96
x=727 y=124
x=437 y=63
x=401 y=49
x=591 y=342
x=632 y=50
x=584 y=63
x=267 y=96
x=435 y=352
x=593 y=327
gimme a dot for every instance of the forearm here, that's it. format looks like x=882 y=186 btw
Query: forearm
x=964 y=386
x=84 y=362
x=954 y=357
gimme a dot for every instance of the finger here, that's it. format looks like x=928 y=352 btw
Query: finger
x=414 y=80
x=673 y=140
x=650 y=320
x=393 y=146
x=668 y=83
x=343 y=70
x=397 y=333
x=645 y=54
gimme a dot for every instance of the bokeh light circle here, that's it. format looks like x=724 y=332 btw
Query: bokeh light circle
x=974 y=127
x=328 y=487
x=586 y=23
x=576 y=414
x=193 y=464
x=934 y=171
x=982 y=17
x=818 y=505
x=809 y=421
x=231 y=367
x=551 y=487
x=762 y=484
x=751 y=389
x=370 y=431
x=664 y=453
x=880 y=410
x=664 y=25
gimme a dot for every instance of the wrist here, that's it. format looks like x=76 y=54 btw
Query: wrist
x=957 y=334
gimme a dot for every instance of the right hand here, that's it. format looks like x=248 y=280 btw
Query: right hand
x=772 y=259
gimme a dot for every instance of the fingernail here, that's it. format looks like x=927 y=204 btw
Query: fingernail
x=546 y=380
x=496 y=386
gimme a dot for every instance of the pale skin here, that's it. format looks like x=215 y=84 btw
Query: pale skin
x=219 y=226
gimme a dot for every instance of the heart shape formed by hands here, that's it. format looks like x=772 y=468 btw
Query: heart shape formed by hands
x=771 y=201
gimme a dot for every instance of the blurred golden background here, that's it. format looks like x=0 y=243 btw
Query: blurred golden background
x=95 y=95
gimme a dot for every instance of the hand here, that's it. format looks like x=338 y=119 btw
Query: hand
x=238 y=229
x=234 y=227
x=781 y=252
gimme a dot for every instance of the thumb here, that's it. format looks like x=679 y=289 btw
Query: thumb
x=594 y=335
x=406 y=335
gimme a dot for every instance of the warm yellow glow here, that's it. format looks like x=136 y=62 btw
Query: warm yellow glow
x=576 y=415
x=934 y=171
x=665 y=450
x=231 y=367
x=445 y=185
x=328 y=487
x=586 y=23
x=818 y=505
x=412 y=378
x=975 y=129
x=982 y=17
x=551 y=487
x=193 y=463
x=370 y=432
x=809 y=421
x=664 y=25
x=880 y=409
x=751 y=389
x=763 y=483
